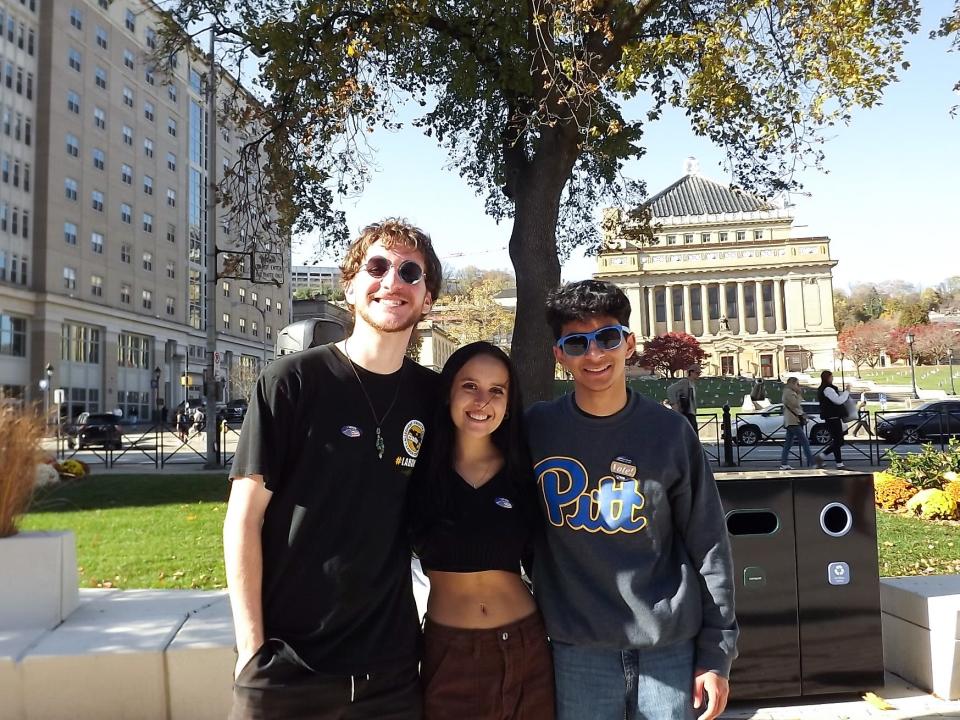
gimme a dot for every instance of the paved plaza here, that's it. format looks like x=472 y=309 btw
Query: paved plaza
x=907 y=701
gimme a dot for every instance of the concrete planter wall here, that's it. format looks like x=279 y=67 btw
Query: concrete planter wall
x=39 y=588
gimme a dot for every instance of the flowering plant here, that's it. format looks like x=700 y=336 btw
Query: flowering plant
x=72 y=469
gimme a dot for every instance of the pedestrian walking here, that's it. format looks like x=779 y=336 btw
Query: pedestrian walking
x=832 y=412
x=682 y=395
x=863 y=417
x=795 y=423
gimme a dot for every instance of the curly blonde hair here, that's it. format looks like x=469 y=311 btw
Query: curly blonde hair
x=394 y=232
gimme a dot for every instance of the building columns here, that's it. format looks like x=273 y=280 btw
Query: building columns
x=758 y=307
x=687 y=314
x=668 y=298
x=705 y=307
x=652 y=310
x=741 y=309
x=778 y=305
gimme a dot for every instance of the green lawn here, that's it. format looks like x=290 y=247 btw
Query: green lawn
x=929 y=377
x=163 y=531
x=141 y=531
x=909 y=546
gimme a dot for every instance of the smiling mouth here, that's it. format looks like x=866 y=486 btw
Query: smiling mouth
x=478 y=417
x=390 y=302
x=597 y=371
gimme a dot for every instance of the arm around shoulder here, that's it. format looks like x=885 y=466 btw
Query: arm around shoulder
x=243 y=557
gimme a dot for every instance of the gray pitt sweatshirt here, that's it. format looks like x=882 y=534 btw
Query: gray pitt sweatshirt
x=635 y=553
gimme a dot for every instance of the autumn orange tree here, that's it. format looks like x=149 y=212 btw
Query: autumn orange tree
x=529 y=99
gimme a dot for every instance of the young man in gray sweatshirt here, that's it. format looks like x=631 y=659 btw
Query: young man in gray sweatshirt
x=633 y=575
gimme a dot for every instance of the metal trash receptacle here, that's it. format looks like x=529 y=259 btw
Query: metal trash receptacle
x=822 y=553
x=838 y=588
x=759 y=518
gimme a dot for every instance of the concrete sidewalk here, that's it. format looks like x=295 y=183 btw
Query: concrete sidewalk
x=168 y=654
x=908 y=702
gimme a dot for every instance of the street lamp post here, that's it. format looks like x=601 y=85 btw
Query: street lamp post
x=913 y=372
x=843 y=378
x=44 y=384
x=953 y=390
x=155 y=385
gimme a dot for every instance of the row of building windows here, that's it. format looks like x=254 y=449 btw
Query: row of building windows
x=17 y=79
x=98 y=241
x=75 y=63
x=242 y=326
x=254 y=297
x=72 y=145
x=15 y=125
x=10 y=173
x=129 y=21
x=705 y=237
x=71 y=185
x=126 y=216
x=100 y=117
x=17 y=33
x=14 y=220
x=13 y=268
x=96 y=290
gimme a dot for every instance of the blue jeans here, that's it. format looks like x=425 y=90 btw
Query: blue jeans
x=601 y=684
x=796 y=432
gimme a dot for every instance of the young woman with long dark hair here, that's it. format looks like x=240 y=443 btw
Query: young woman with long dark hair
x=486 y=653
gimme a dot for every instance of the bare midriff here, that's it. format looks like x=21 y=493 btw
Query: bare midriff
x=478 y=600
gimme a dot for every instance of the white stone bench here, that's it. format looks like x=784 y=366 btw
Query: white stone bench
x=921 y=631
x=163 y=654
x=145 y=654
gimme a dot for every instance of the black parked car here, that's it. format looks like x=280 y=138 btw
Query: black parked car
x=99 y=430
x=932 y=419
x=235 y=411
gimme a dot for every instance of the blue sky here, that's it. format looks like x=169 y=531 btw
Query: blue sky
x=890 y=201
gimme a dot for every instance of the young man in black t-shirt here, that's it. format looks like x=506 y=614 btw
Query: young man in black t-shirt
x=317 y=557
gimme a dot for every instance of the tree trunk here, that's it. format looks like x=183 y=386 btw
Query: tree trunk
x=533 y=250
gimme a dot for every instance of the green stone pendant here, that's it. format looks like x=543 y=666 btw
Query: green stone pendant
x=379 y=444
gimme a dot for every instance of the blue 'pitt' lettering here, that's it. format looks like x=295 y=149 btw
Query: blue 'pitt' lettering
x=614 y=506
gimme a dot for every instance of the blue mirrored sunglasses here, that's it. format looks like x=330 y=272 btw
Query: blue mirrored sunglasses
x=606 y=338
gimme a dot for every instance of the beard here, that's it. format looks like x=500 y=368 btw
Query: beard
x=392 y=324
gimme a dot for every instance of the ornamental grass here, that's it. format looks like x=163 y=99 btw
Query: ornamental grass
x=21 y=431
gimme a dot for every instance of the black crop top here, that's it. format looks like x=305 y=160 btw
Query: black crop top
x=487 y=528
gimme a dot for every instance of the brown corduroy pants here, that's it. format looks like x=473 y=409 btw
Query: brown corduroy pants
x=501 y=674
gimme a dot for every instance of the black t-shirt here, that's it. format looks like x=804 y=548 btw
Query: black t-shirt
x=336 y=556
x=486 y=528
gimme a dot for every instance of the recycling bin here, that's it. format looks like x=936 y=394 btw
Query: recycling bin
x=838 y=588
x=807 y=585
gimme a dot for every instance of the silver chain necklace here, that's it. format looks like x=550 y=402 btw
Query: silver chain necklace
x=379 y=421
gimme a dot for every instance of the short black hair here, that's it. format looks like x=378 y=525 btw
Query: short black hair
x=583 y=299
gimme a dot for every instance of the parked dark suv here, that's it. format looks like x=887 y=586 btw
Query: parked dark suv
x=932 y=419
x=99 y=430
